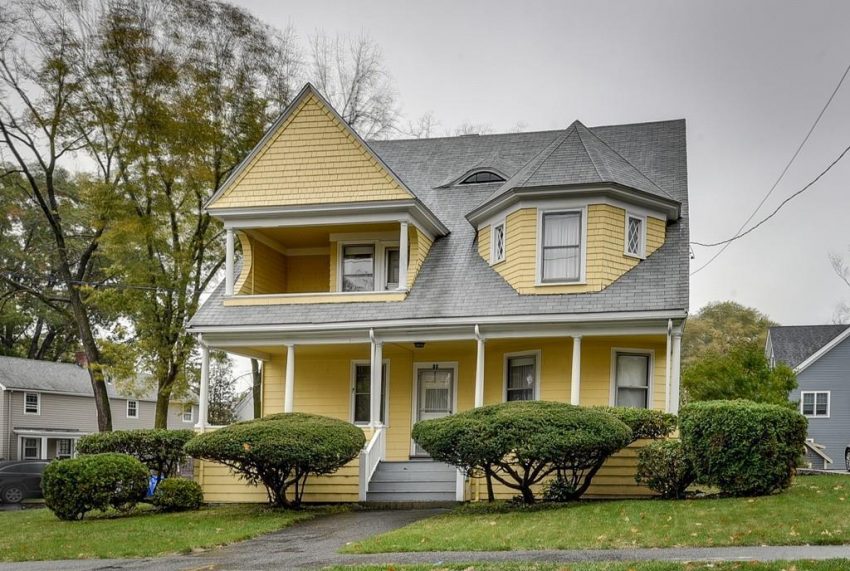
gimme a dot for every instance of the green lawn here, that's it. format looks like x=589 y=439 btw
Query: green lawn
x=831 y=565
x=814 y=511
x=36 y=534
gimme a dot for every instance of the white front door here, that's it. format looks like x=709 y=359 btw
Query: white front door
x=435 y=396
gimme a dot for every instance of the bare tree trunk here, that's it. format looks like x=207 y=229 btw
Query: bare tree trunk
x=165 y=388
x=257 y=388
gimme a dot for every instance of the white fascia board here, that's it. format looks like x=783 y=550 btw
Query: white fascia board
x=822 y=351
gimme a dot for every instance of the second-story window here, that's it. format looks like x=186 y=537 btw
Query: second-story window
x=32 y=403
x=497 y=252
x=132 y=409
x=561 y=250
x=391 y=261
x=635 y=236
x=358 y=268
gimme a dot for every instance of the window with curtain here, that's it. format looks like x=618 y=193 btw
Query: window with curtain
x=634 y=236
x=522 y=377
x=814 y=403
x=358 y=268
x=391 y=258
x=561 y=250
x=362 y=393
x=632 y=380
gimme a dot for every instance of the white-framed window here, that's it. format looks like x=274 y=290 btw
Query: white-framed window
x=132 y=409
x=368 y=266
x=497 y=243
x=64 y=448
x=522 y=376
x=361 y=392
x=635 y=235
x=188 y=413
x=561 y=246
x=391 y=268
x=632 y=383
x=814 y=404
x=31 y=448
x=32 y=403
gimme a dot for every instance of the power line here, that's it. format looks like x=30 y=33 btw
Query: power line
x=726 y=243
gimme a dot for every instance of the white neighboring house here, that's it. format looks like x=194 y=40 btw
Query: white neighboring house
x=45 y=407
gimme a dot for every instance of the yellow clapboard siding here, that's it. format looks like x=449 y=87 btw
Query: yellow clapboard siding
x=605 y=249
x=307 y=273
x=313 y=158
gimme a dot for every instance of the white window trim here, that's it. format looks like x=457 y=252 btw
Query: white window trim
x=815 y=410
x=38 y=403
x=612 y=398
x=70 y=442
x=415 y=400
x=353 y=374
x=536 y=353
x=494 y=259
x=582 y=251
x=22 y=451
x=641 y=254
x=191 y=413
x=380 y=276
x=128 y=408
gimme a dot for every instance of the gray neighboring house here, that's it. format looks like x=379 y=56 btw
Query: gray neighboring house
x=820 y=356
x=46 y=407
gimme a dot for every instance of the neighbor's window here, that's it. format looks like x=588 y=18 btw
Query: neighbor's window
x=32 y=403
x=361 y=393
x=32 y=448
x=497 y=253
x=63 y=448
x=522 y=378
x=814 y=403
x=188 y=415
x=632 y=380
x=132 y=409
x=482 y=177
x=635 y=230
x=391 y=262
x=561 y=255
x=358 y=268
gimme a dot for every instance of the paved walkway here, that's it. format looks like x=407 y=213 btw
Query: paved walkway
x=314 y=545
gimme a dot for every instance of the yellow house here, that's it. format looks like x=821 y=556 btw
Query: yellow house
x=385 y=282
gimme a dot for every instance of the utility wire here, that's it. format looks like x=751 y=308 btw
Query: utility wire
x=726 y=243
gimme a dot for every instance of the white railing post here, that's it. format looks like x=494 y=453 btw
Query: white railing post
x=575 y=379
x=370 y=457
x=289 y=383
x=402 y=256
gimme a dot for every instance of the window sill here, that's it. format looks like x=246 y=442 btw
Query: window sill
x=817 y=416
x=635 y=256
x=547 y=284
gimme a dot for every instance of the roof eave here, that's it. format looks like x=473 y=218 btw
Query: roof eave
x=822 y=351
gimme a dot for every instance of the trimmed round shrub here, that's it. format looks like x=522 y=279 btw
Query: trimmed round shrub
x=160 y=450
x=664 y=469
x=646 y=424
x=280 y=451
x=520 y=443
x=178 y=494
x=76 y=486
x=742 y=447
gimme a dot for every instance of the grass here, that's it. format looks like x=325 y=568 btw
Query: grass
x=828 y=565
x=37 y=534
x=814 y=511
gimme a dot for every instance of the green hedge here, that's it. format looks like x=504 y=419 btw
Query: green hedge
x=646 y=424
x=76 y=486
x=664 y=468
x=280 y=451
x=520 y=443
x=160 y=450
x=742 y=447
x=178 y=494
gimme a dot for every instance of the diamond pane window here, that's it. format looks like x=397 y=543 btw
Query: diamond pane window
x=498 y=253
x=634 y=236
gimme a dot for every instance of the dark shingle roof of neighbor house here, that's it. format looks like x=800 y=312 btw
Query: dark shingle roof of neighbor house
x=455 y=281
x=48 y=376
x=793 y=344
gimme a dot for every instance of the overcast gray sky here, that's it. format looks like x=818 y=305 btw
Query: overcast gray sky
x=749 y=78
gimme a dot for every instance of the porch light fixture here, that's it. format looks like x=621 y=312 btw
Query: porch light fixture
x=419 y=344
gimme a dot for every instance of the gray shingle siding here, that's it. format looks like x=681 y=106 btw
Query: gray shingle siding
x=830 y=373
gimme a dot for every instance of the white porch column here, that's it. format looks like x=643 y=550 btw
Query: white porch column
x=375 y=389
x=402 y=256
x=479 y=370
x=575 y=379
x=289 y=383
x=676 y=372
x=43 y=451
x=228 y=263
x=204 y=396
x=668 y=368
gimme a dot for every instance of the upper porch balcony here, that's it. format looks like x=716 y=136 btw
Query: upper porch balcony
x=324 y=264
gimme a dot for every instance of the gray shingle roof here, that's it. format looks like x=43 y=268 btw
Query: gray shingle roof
x=455 y=281
x=793 y=344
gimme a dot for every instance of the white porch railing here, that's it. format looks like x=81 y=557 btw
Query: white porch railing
x=372 y=453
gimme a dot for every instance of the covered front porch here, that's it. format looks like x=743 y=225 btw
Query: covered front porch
x=427 y=373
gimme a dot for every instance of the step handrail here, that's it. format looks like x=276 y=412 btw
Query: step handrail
x=371 y=455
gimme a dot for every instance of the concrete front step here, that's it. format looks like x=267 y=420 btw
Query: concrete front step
x=413 y=481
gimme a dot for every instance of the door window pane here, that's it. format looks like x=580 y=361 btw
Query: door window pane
x=522 y=375
x=63 y=448
x=561 y=246
x=363 y=392
x=392 y=259
x=358 y=268
x=632 y=380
